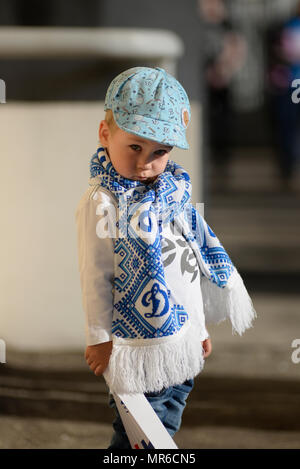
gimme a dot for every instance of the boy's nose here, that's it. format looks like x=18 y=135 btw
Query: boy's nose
x=144 y=161
x=143 y=168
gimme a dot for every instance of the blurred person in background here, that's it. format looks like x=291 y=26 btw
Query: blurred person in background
x=224 y=52
x=283 y=51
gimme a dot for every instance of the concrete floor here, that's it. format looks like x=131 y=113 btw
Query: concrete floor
x=248 y=395
x=63 y=434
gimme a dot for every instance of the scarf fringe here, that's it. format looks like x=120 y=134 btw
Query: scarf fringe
x=232 y=301
x=150 y=368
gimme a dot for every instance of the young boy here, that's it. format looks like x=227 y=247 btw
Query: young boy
x=152 y=272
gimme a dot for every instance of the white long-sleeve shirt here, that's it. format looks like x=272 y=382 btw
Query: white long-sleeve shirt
x=96 y=267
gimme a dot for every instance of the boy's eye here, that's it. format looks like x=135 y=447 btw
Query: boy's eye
x=135 y=147
x=160 y=152
x=138 y=148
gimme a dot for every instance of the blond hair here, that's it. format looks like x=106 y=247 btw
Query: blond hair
x=109 y=118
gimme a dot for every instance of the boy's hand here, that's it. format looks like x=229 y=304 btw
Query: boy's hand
x=206 y=344
x=97 y=357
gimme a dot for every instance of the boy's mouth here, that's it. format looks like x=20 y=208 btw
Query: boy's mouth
x=140 y=177
x=145 y=179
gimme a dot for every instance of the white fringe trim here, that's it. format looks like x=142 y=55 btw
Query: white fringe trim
x=231 y=302
x=149 y=368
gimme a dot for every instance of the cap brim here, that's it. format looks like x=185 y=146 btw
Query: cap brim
x=153 y=129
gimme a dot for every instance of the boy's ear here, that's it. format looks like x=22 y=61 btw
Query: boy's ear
x=104 y=133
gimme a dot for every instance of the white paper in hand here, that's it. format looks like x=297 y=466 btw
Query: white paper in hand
x=143 y=427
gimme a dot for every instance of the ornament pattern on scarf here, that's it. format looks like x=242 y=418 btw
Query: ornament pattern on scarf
x=142 y=302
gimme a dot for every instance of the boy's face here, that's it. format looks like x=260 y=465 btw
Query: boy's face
x=134 y=157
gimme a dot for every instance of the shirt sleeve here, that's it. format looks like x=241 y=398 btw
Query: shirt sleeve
x=96 y=264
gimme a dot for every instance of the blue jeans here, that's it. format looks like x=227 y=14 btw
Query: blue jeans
x=168 y=404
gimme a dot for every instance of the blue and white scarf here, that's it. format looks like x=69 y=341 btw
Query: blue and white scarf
x=143 y=313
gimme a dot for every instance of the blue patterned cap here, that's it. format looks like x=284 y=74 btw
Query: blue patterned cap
x=150 y=103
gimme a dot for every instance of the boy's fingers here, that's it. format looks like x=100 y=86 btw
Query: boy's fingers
x=206 y=349
x=93 y=365
x=96 y=367
x=88 y=355
x=99 y=370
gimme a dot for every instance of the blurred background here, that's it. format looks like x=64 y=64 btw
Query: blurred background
x=237 y=60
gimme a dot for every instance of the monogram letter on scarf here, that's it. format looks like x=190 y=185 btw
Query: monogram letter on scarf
x=154 y=345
